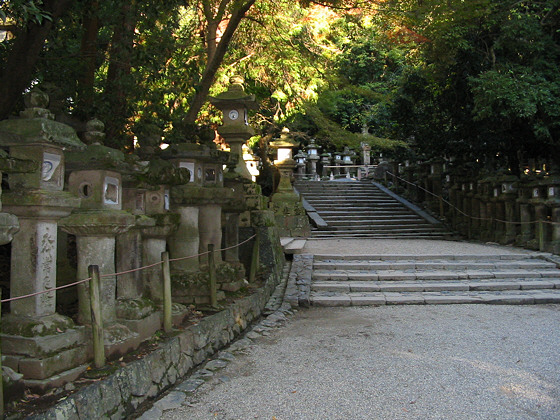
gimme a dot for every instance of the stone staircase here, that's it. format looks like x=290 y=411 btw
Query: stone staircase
x=364 y=209
x=509 y=278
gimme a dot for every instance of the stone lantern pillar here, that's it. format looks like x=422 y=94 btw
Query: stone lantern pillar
x=337 y=163
x=313 y=157
x=38 y=199
x=234 y=104
x=325 y=161
x=508 y=195
x=300 y=160
x=525 y=212
x=96 y=177
x=346 y=160
x=286 y=204
x=366 y=154
x=540 y=211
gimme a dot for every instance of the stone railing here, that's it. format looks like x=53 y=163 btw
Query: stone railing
x=524 y=211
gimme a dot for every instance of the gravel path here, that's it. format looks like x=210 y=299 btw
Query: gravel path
x=404 y=246
x=392 y=362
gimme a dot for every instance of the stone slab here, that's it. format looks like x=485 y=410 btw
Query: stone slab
x=356 y=286
x=331 y=300
x=397 y=275
x=404 y=300
x=498 y=285
x=46 y=367
x=508 y=299
x=404 y=287
x=542 y=284
x=449 y=299
x=331 y=286
x=55 y=381
x=367 y=300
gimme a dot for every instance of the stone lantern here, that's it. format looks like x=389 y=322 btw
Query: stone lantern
x=284 y=162
x=96 y=177
x=300 y=161
x=286 y=204
x=38 y=199
x=313 y=156
x=337 y=162
x=235 y=104
x=325 y=161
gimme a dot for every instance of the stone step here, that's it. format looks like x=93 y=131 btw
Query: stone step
x=295 y=247
x=429 y=257
x=387 y=230
x=377 y=222
x=371 y=235
x=509 y=297
x=411 y=275
x=434 y=286
x=402 y=265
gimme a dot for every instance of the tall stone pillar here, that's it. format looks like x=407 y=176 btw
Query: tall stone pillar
x=96 y=177
x=36 y=196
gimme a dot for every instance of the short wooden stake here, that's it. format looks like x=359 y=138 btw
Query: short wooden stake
x=96 y=316
x=212 y=277
x=167 y=320
x=541 y=235
x=255 y=259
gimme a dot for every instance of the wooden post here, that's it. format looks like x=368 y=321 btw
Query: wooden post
x=167 y=321
x=255 y=259
x=541 y=236
x=441 y=211
x=96 y=317
x=212 y=277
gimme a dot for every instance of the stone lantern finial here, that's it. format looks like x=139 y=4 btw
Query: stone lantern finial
x=94 y=132
x=36 y=102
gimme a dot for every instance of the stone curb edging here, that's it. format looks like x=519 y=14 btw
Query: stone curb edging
x=179 y=395
x=124 y=391
x=298 y=288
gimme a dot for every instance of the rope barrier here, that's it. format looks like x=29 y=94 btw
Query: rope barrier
x=468 y=215
x=53 y=289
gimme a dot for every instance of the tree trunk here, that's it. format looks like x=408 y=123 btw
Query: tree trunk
x=88 y=53
x=17 y=72
x=122 y=45
x=215 y=61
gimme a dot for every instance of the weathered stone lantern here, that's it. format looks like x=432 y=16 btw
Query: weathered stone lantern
x=96 y=177
x=36 y=340
x=313 y=156
x=286 y=204
x=300 y=160
x=235 y=104
x=325 y=161
x=337 y=162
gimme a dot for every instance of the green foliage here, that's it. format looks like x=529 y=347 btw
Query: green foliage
x=23 y=12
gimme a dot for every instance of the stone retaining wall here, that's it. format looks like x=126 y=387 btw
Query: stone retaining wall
x=121 y=393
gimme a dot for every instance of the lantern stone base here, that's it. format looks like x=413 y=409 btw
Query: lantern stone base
x=141 y=316
x=48 y=352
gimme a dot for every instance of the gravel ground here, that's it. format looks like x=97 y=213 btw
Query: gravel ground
x=393 y=362
x=403 y=246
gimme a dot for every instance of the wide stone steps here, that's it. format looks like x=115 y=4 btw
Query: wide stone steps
x=426 y=279
x=362 y=209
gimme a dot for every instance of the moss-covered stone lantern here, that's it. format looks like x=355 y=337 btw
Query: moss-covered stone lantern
x=95 y=176
x=235 y=104
x=40 y=343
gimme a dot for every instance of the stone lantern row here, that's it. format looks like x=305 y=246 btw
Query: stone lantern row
x=332 y=163
x=522 y=210
x=123 y=213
